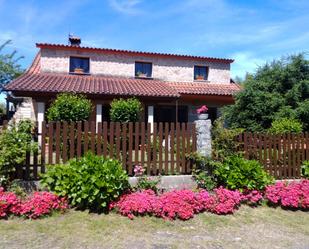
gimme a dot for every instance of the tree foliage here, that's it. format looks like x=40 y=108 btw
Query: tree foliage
x=125 y=110
x=285 y=125
x=69 y=107
x=9 y=67
x=15 y=142
x=277 y=90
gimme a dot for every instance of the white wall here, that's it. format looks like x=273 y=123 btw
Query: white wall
x=169 y=69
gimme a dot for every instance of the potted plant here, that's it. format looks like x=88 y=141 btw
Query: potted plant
x=199 y=77
x=78 y=70
x=202 y=112
x=140 y=74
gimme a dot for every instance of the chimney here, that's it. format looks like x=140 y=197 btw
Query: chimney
x=74 y=40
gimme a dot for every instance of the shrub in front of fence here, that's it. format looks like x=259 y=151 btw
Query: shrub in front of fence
x=305 y=169
x=16 y=142
x=90 y=182
x=241 y=174
x=293 y=195
x=37 y=205
x=177 y=204
x=203 y=170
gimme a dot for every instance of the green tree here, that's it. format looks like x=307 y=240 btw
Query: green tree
x=277 y=90
x=69 y=107
x=9 y=67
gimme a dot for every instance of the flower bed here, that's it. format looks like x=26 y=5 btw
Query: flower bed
x=293 y=195
x=34 y=206
x=182 y=204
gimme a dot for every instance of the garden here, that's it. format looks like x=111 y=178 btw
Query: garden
x=235 y=200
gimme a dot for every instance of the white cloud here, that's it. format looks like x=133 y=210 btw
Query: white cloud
x=129 y=7
x=245 y=62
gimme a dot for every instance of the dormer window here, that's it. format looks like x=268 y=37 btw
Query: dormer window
x=200 y=73
x=79 y=65
x=143 y=69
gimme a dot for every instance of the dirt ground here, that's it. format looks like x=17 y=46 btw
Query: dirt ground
x=261 y=227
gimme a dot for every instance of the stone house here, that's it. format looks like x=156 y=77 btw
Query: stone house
x=170 y=86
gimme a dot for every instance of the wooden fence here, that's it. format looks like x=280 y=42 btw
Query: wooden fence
x=161 y=149
x=282 y=155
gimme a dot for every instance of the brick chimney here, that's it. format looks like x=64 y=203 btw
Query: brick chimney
x=74 y=40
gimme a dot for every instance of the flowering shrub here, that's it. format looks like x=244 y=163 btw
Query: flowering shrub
x=252 y=198
x=181 y=204
x=42 y=203
x=289 y=195
x=9 y=203
x=226 y=201
x=136 y=203
x=202 y=109
x=35 y=206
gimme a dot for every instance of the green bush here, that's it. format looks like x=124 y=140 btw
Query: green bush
x=145 y=182
x=286 y=125
x=224 y=141
x=239 y=173
x=69 y=107
x=125 y=110
x=305 y=169
x=15 y=142
x=90 y=182
x=2 y=109
x=203 y=170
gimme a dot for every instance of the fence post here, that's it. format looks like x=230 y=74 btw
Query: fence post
x=203 y=133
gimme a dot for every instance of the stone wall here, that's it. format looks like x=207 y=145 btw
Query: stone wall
x=168 y=69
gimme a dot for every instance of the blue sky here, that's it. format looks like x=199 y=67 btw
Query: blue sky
x=251 y=32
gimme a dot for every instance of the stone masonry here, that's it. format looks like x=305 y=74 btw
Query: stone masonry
x=203 y=140
x=167 y=69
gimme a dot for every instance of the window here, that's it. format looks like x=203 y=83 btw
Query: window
x=200 y=73
x=143 y=69
x=79 y=65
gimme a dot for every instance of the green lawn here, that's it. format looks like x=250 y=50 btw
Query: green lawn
x=261 y=227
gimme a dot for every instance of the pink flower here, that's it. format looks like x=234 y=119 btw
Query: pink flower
x=289 y=195
x=138 y=170
x=202 y=109
x=177 y=204
x=35 y=206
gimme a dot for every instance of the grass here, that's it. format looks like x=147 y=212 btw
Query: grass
x=261 y=227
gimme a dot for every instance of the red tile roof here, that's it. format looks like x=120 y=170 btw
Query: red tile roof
x=200 y=88
x=130 y=52
x=35 y=81
x=54 y=83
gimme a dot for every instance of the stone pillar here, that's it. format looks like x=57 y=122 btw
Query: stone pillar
x=150 y=116
x=203 y=139
x=98 y=115
x=40 y=118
